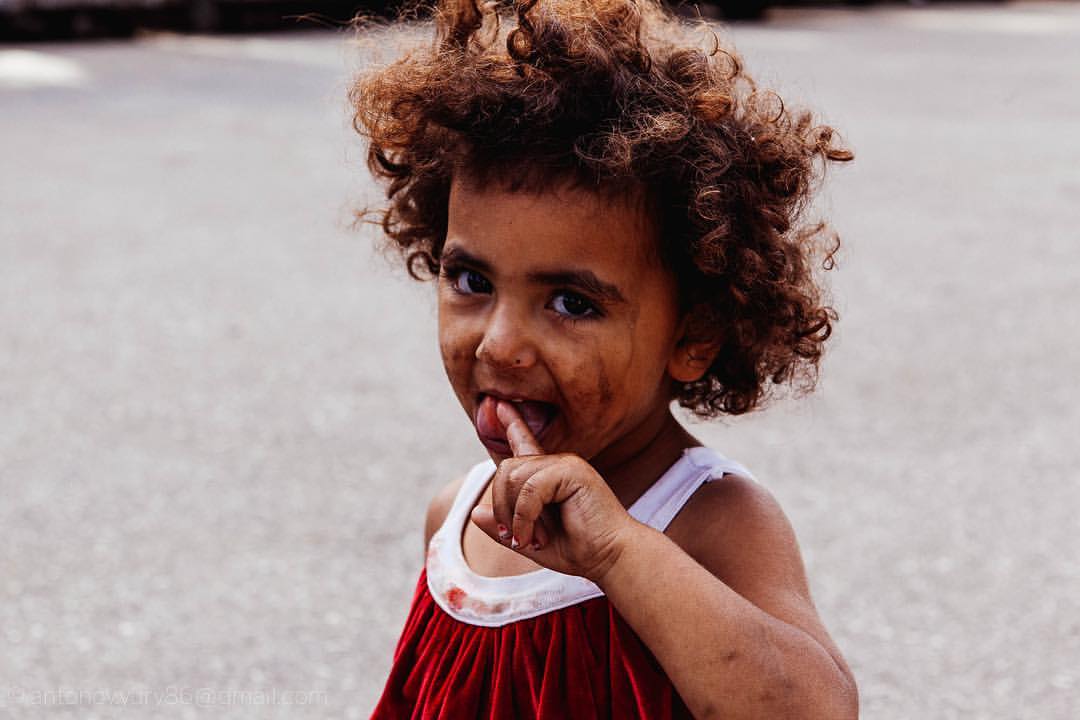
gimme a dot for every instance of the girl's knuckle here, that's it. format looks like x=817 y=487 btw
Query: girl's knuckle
x=527 y=491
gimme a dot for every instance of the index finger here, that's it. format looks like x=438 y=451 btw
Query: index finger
x=518 y=434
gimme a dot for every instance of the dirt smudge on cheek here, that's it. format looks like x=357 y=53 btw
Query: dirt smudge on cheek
x=452 y=358
x=456 y=359
x=603 y=383
x=599 y=372
x=592 y=388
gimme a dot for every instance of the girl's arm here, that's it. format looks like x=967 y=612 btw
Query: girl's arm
x=748 y=646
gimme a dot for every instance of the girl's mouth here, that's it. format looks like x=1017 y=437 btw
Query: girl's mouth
x=537 y=415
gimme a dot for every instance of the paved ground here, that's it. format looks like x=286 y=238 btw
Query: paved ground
x=221 y=412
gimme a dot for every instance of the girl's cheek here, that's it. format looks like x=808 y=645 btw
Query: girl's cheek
x=454 y=357
x=590 y=389
x=455 y=353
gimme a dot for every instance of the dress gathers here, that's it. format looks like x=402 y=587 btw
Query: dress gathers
x=542 y=645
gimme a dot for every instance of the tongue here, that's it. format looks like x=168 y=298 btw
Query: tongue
x=535 y=414
x=487 y=422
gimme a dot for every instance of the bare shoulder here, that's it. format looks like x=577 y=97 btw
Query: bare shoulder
x=732 y=525
x=439 y=507
x=737 y=530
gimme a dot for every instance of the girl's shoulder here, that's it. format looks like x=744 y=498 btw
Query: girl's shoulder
x=736 y=529
x=729 y=516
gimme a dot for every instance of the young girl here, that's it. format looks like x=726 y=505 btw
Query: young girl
x=612 y=216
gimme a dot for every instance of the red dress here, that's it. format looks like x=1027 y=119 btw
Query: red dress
x=540 y=645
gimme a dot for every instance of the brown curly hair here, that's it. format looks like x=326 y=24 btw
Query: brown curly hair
x=609 y=95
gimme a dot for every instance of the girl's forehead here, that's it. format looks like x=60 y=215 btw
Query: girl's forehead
x=563 y=220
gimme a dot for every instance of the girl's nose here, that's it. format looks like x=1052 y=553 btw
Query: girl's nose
x=506 y=342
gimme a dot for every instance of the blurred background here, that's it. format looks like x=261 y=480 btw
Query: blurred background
x=222 y=411
x=64 y=19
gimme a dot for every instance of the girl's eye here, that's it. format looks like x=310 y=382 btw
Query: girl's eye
x=470 y=282
x=572 y=305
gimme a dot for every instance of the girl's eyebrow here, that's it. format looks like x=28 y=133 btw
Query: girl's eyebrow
x=584 y=280
x=456 y=256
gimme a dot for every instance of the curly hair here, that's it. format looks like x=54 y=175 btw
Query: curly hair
x=611 y=96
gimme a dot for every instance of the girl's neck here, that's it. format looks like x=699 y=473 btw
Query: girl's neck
x=653 y=447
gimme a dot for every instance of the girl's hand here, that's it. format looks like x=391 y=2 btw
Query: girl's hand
x=554 y=509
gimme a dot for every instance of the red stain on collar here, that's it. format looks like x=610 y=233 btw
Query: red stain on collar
x=455 y=597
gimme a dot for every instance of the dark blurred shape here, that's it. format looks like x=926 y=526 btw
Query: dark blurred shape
x=741 y=9
x=23 y=20
x=30 y=20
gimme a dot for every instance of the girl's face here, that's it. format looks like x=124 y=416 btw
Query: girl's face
x=558 y=302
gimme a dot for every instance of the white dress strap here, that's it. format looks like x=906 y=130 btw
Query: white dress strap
x=471 y=488
x=496 y=601
x=659 y=505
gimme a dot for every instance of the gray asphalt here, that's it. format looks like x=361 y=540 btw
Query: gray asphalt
x=222 y=412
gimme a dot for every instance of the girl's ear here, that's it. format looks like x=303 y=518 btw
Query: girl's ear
x=691 y=358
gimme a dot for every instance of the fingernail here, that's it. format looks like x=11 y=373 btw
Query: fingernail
x=514 y=544
x=504 y=532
